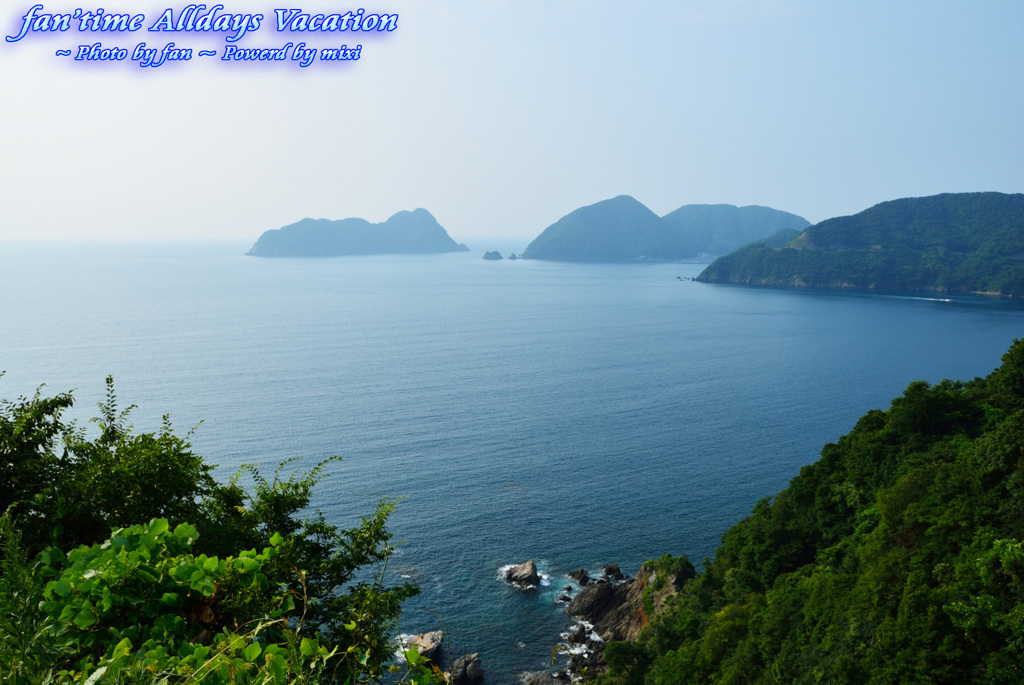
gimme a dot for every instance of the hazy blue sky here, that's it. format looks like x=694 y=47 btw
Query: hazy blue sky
x=502 y=116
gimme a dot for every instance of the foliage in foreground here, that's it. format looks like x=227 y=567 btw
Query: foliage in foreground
x=220 y=586
x=898 y=557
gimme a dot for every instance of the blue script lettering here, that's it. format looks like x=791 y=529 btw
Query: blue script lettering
x=41 y=22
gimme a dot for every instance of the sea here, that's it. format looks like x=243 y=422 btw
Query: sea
x=567 y=413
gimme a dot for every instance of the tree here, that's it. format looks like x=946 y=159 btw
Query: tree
x=193 y=569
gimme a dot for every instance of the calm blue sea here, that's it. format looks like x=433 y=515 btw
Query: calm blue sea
x=574 y=414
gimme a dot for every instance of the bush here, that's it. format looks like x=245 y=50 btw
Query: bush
x=199 y=580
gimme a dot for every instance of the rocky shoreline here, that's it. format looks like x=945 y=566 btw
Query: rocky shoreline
x=610 y=607
x=465 y=670
x=607 y=609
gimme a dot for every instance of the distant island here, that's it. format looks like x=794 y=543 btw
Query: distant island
x=623 y=229
x=415 y=232
x=949 y=243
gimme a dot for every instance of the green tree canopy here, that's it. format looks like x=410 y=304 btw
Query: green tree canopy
x=166 y=569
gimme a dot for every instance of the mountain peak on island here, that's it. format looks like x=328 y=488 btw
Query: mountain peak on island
x=617 y=229
x=623 y=229
x=405 y=232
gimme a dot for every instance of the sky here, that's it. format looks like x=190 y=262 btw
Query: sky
x=501 y=116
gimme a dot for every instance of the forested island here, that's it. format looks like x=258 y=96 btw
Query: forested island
x=950 y=243
x=623 y=229
x=415 y=232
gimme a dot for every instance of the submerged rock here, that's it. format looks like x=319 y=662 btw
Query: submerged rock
x=524 y=574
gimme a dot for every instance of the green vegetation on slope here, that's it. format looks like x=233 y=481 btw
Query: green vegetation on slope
x=623 y=229
x=721 y=229
x=898 y=557
x=951 y=243
x=123 y=561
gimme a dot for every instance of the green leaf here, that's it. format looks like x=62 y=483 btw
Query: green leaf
x=85 y=618
x=96 y=675
x=252 y=652
x=308 y=647
x=63 y=587
x=171 y=599
x=123 y=648
x=412 y=656
x=276 y=539
x=186 y=532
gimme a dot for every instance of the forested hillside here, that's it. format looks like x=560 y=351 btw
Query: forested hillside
x=897 y=557
x=622 y=229
x=951 y=243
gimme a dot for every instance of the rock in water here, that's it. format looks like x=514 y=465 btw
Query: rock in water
x=580 y=576
x=524 y=574
x=578 y=636
x=492 y=255
x=427 y=644
x=467 y=670
x=592 y=601
x=612 y=571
